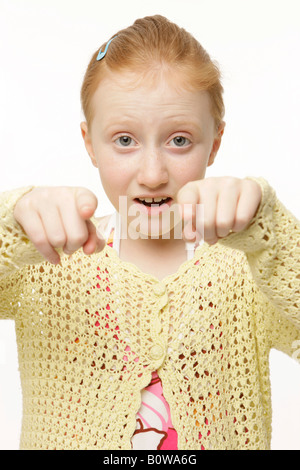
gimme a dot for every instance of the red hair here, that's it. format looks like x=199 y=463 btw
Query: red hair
x=147 y=46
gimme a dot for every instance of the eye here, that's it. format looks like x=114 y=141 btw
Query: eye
x=124 y=141
x=180 y=141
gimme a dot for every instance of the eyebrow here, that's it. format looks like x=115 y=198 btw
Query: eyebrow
x=184 y=120
x=116 y=121
x=176 y=120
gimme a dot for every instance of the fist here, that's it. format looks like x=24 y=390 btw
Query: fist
x=58 y=217
x=229 y=205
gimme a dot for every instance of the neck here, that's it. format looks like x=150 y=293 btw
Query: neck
x=154 y=244
x=159 y=257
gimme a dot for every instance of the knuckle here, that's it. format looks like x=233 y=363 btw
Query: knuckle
x=208 y=223
x=243 y=219
x=209 y=182
x=230 y=181
x=38 y=239
x=224 y=224
x=207 y=229
x=229 y=185
x=55 y=194
x=76 y=241
x=66 y=193
x=57 y=240
x=23 y=204
x=43 y=194
x=80 y=239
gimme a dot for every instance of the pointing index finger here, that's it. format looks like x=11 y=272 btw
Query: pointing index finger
x=188 y=197
x=189 y=200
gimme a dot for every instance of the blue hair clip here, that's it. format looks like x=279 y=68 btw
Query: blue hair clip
x=103 y=54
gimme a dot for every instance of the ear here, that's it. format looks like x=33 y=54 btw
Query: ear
x=216 y=143
x=88 y=142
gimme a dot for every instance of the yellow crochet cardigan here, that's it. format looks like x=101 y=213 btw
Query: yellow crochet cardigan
x=91 y=332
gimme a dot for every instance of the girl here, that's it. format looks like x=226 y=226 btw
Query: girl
x=130 y=336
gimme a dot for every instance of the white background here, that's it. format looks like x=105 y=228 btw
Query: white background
x=45 y=46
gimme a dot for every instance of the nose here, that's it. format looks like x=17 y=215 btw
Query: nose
x=152 y=171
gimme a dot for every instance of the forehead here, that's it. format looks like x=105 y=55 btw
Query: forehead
x=136 y=93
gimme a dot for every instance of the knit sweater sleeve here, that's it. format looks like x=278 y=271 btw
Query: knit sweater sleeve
x=272 y=246
x=16 y=251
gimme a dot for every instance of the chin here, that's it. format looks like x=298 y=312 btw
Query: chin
x=166 y=225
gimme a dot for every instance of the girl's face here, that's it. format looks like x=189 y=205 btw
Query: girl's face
x=149 y=141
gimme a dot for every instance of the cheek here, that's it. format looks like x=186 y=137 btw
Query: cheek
x=191 y=169
x=114 y=179
x=110 y=178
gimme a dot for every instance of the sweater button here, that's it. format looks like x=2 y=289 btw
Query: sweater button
x=159 y=289
x=156 y=352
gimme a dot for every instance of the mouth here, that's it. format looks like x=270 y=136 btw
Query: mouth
x=149 y=201
x=153 y=205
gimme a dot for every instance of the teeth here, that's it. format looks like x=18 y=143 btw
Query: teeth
x=152 y=199
x=149 y=201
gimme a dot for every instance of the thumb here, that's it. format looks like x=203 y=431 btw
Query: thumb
x=86 y=202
